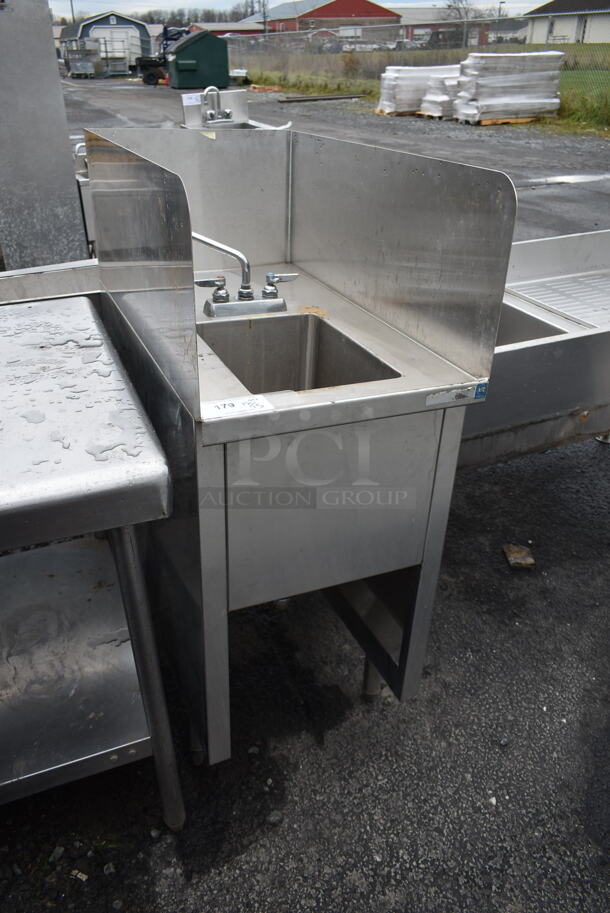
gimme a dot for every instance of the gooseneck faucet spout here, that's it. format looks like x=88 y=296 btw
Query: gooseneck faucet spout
x=207 y=93
x=245 y=292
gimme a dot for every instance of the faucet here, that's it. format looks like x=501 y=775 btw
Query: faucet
x=215 y=112
x=245 y=292
x=211 y=112
x=246 y=303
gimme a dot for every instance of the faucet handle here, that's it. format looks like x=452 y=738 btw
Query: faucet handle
x=220 y=293
x=271 y=279
x=217 y=282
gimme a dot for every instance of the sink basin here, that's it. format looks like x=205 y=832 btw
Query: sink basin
x=518 y=326
x=292 y=352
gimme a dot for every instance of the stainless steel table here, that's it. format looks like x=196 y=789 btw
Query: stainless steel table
x=80 y=685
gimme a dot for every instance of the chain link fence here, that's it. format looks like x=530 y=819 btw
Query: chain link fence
x=352 y=58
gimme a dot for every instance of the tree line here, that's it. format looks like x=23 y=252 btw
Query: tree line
x=182 y=16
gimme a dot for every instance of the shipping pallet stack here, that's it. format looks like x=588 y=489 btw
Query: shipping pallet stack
x=484 y=90
x=402 y=88
x=508 y=88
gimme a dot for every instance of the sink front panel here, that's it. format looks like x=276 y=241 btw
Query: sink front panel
x=325 y=506
x=292 y=352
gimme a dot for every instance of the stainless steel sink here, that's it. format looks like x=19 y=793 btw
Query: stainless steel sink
x=550 y=383
x=518 y=326
x=316 y=447
x=291 y=352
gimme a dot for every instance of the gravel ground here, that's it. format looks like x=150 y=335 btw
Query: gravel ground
x=486 y=794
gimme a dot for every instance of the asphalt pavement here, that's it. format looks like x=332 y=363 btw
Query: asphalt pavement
x=486 y=794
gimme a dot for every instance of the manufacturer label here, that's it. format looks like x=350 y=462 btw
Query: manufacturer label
x=449 y=396
x=229 y=408
x=456 y=395
x=193 y=99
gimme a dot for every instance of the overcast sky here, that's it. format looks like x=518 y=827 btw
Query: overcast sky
x=92 y=7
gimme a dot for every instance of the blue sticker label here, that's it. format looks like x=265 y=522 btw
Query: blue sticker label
x=481 y=391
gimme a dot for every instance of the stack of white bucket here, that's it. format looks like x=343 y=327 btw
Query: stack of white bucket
x=402 y=88
x=497 y=86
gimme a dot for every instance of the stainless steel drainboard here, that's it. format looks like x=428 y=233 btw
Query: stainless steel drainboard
x=585 y=297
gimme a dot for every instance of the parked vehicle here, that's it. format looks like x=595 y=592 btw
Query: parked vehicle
x=446 y=38
x=405 y=44
x=154 y=68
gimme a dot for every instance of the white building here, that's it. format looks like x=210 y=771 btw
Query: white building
x=414 y=15
x=572 y=21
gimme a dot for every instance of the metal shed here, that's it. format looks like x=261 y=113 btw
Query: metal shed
x=121 y=39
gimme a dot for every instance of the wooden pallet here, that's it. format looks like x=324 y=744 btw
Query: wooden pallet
x=432 y=116
x=256 y=88
x=492 y=122
x=395 y=113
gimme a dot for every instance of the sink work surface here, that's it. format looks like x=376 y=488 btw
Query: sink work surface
x=324 y=360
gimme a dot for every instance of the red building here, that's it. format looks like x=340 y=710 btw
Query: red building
x=304 y=15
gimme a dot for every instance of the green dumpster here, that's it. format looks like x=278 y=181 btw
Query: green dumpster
x=198 y=61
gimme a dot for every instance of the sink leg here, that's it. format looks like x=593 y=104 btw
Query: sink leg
x=391 y=618
x=371 y=683
x=137 y=611
x=412 y=659
x=197 y=748
x=215 y=691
